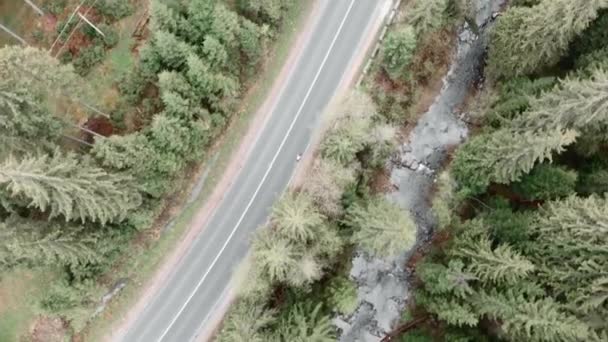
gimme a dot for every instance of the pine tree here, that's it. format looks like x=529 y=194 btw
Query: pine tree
x=532 y=320
x=200 y=18
x=252 y=40
x=572 y=246
x=215 y=53
x=163 y=18
x=40 y=243
x=64 y=186
x=245 y=322
x=381 y=227
x=575 y=103
x=526 y=39
x=343 y=295
x=546 y=182
x=500 y=265
x=308 y=270
x=171 y=50
x=348 y=137
x=398 y=51
x=326 y=185
x=504 y=156
x=296 y=218
x=225 y=26
x=305 y=324
x=212 y=86
x=31 y=86
x=267 y=11
x=427 y=15
x=275 y=255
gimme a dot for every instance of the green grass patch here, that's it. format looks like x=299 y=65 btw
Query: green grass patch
x=20 y=293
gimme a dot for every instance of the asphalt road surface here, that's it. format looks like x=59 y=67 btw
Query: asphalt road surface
x=189 y=298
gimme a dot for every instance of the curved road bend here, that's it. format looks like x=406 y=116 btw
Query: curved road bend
x=188 y=299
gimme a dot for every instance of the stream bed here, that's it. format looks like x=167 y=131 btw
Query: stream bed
x=383 y=285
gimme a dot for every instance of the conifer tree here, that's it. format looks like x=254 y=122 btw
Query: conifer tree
x=523 y=319
x=381 y=227
x=500 y=265
x=276 y=256
x=427 y=15
x=31 y=85
x=39 y=243
x=575 y=103
x=504 y=156
x=546 y=182
x=64 y=186
x=171 y=50
x=296 y=217
x=398 y=51
x=163 y=18
x=245 y=322
x=526 y=39
x=267 y=11
x=326 y=185
x=306 y=323
x=572 y=246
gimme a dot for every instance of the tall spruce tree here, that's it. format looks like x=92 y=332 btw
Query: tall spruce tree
x=62 y=185
x=40 y=243
x=381 y=228
x=31 y=87
x=504 y=156
x=526 y=39
x=580 y=104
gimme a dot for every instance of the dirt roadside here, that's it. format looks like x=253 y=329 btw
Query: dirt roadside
x=198 y=223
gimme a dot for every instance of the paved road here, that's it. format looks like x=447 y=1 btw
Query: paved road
x=188 y=299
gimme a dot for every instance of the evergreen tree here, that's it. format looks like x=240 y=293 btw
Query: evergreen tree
x=381 y=227
x=526 y=39
x=307 y=270
x=172 y=52
x=296 y=217
x=275 y=255
x=266 y=11
x=504 y=156
x=63 y=185
x=572 y=235
x=31 y=86
x=252 y=40
x=326 y=185
x=40 y=243
x=347 y=138
x=531 y=320
x=500 y=265
x=574 y=103
x=163 y=18
x=245 y=322
x=398 y=51
x=306 y=324
x=427 y=15
x=546 y=182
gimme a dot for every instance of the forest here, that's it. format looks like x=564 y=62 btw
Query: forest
x=520 y=248
x=77 y=189
x=519 y=251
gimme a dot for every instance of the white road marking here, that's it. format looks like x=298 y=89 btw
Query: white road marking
x=291 y=126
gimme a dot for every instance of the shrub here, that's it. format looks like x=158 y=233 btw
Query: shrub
x=114 y=9
x=398 y=52
x=88 y=58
